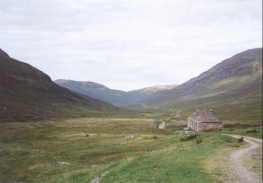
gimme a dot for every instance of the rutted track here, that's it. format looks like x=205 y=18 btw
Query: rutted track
x=240 y=171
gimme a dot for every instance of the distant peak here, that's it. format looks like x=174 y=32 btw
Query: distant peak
x=3 y=53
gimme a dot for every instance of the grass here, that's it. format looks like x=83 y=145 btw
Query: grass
x=167 y=166
x=35 y=152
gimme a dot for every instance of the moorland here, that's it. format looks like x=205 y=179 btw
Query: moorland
x=78 y=150
x=49 y=133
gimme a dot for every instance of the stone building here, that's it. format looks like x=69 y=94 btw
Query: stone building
x=203 y=120
x=162 y=125
x=158 y=124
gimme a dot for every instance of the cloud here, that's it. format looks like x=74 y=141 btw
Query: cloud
x=128 y=44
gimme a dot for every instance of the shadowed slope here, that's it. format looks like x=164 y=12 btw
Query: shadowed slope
x=29 y=94
x=3 y=53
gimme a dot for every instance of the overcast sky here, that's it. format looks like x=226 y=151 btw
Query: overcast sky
x=128 y=44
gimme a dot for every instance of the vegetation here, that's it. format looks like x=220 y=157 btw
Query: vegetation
x=188 y=137
x=78 y=150
x=252 y=131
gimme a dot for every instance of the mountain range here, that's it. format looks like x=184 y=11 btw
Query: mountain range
x=27 y=93
x=115 y=97
x=233 y=88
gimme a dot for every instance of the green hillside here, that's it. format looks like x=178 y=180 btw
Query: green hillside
x=233 y=88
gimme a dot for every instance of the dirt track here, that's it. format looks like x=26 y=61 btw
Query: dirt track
x=238 y=170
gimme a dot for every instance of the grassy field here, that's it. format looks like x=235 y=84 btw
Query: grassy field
x=78 y=150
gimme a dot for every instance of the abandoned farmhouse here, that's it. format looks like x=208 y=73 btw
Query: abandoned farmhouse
x=203 y=120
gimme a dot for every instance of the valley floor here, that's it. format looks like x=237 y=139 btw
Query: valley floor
x=78 y=150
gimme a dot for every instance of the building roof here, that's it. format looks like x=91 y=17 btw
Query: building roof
x=204 y=116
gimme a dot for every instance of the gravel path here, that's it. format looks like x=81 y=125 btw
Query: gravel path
x=239 y=171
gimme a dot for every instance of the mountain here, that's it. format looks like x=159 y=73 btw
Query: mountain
x=115 y=97
x=95 y=90
x=3 y=53
x=233 y=88
x=27 y=93
x=136 y=96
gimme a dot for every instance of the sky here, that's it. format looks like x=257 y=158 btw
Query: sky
x=128 y=44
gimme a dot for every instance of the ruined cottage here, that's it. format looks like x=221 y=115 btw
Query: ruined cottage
x=203 y=120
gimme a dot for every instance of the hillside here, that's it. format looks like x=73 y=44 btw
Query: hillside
x=3 y=53
x=29 y=94
x=115 y=97
x=233 y=88
x=95 y=90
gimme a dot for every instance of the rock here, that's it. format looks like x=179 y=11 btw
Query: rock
x=129 y=137
x=257 y=157
x=99 y=178
x=139 y=138
x=63 y=163
x=94 y=166
x=181 y=133
x=123 y=143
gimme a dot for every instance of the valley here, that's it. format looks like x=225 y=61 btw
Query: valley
x=233 y=88
x=110 y=91
x=50 y=133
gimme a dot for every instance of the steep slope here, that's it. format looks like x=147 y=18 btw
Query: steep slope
x=115 y=97
x=29 y=94
x=232 y=87
x=3 y=53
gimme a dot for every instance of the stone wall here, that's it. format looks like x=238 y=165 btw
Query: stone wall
x=207 y=126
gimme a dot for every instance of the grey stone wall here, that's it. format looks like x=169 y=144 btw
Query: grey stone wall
x=207 y=126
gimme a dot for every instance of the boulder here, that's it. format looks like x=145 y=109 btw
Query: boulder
x=129 y=137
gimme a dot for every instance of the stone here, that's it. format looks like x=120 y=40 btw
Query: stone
x=63 y=163
x=257 y=157
x=182 y=132
x=123 y=143
x=99 y=178
x=94 y=166
x=129 y=137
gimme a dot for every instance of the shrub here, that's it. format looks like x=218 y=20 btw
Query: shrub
x=252 y=131
x=209 y=130
x=234 y=145
x=198 y=140
x=189 y=137
x=87 y=135
x=227 y=139
x=241 y=139
x=231 y=129
x=155 y=137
